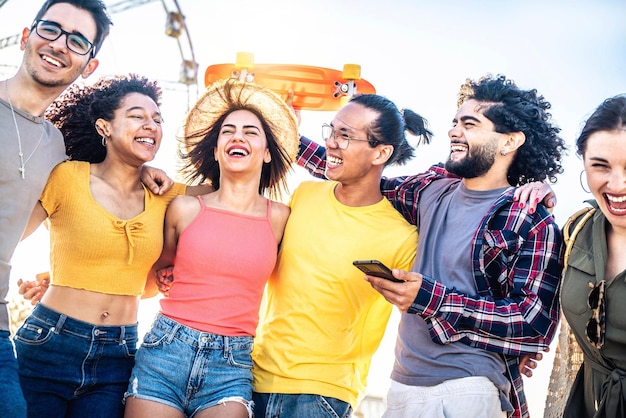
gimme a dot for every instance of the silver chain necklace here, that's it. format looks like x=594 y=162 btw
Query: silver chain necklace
x=22 y=167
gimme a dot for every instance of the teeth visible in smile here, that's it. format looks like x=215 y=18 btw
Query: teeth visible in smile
x=616 y=203
x=458 y=148
x=616 y=199
x=51 y=61
x=238 y=151
x=334 y=160
x=145 y=140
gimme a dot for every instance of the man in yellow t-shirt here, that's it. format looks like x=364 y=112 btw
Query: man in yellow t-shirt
x=321 y=321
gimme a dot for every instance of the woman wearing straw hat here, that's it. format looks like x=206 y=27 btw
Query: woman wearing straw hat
x=196 y=359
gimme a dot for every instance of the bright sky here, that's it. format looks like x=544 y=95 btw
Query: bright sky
x=415 y=52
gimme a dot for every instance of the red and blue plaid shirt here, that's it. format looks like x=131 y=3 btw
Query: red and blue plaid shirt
x=517 y=258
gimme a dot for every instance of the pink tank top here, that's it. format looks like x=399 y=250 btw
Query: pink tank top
x=223 y=261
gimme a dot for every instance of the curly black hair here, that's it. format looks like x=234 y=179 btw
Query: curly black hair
x=512 y=109
x=390 y=126
x=75 y=112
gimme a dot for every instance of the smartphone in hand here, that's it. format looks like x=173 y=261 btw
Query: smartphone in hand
x=375 y=268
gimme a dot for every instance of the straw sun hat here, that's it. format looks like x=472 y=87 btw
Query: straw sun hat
x=228 y=95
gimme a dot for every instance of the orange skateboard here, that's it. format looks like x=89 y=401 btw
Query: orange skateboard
x=314 y=88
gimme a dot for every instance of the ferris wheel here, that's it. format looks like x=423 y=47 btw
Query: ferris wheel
x=175 y=27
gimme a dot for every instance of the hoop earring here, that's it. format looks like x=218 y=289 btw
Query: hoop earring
x=104 y=141
x=582 y=185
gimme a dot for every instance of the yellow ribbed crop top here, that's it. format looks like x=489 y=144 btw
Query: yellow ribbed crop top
x=92 y=249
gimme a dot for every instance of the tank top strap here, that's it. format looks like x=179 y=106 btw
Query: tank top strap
x=201 y=200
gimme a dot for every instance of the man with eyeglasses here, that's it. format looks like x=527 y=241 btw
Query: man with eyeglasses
x=483 y=292
x=321 y=322
x=59 y=47
x=75 y=42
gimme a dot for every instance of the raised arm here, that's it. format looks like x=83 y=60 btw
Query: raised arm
x=312 y=157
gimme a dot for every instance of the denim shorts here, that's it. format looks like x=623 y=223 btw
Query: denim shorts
x=288 y=405
x=70 y=365
x=191 y=370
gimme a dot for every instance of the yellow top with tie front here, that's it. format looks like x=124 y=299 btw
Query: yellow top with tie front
x=92 y=249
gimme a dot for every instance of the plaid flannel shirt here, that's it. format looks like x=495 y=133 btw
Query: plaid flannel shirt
x=517 y=259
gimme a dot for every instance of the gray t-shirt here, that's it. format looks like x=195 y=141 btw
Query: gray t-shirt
x=449 y=216
x=18 y=196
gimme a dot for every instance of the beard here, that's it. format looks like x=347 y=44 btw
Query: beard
x=476 y=163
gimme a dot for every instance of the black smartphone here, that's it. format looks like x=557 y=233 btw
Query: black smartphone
x=375 y=268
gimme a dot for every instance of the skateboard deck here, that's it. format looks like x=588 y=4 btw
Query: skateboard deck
x=314 y=88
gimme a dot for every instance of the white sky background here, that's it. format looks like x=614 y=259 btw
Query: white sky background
x=417 y=53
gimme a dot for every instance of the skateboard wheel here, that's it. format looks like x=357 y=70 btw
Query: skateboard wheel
x=242 y=75
x=352 y=71
x=340 y=89
x=244 y=60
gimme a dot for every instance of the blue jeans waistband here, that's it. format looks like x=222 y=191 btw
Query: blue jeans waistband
x=199 y=339
x=61 y=322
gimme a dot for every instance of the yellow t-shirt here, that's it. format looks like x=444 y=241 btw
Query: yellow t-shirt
x=92 y=249
x=321 y=321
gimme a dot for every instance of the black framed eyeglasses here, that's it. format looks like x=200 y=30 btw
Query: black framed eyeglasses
x=341 y=138
x=76 y=43
x=595 y=328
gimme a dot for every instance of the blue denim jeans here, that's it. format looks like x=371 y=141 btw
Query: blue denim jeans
x=12 y=404
x=281 y=405
x=191 y=370
x=70 y=368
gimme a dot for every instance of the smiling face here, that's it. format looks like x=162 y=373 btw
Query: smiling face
x=605 y=167
x=241 y=142
x=51 y=63
x=474 y=143
x=353 y=163
x=135 y=132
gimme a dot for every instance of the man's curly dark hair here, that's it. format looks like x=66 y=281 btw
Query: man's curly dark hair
x=75 y=112
x=512 y=109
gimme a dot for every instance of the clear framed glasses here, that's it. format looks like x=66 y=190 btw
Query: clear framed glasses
x=595 y=327
x=76 y=43
x=342 y=139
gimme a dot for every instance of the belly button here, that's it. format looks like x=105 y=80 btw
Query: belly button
x=104 y=315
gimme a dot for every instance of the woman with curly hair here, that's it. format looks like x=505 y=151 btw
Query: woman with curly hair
x=76 y=349
x=196 y=360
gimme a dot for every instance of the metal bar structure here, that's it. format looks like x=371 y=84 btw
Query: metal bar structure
x=189 y=67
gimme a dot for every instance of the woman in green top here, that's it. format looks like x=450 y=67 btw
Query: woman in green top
x=594 y=285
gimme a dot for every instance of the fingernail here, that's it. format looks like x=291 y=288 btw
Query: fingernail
x=531 y=210
x=515 y=198
x=521 y=205
x=537 y=200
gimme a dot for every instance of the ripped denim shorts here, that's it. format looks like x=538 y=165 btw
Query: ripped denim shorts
x=191 y=370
